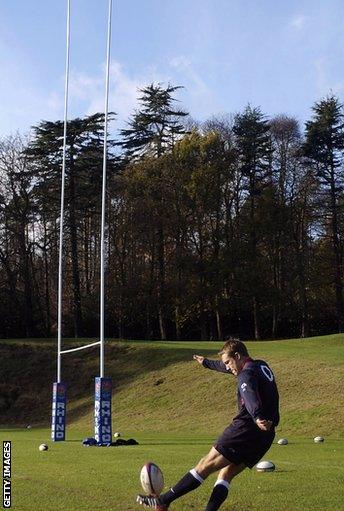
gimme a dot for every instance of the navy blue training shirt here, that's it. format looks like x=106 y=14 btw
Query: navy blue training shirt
x=257 y=391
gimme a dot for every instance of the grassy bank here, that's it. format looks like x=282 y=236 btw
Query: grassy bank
x=158 y=387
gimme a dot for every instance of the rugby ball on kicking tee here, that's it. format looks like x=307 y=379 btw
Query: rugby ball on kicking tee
x=265 y=466
x=282 y=441
x=43 y=447
x=152 y=479
x=318 y=439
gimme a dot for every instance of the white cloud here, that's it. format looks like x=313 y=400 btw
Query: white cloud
x=87 y=92
x=27 y=103
x=298 y=22
x=201 y=98
x=184 y=65
x=180 y=62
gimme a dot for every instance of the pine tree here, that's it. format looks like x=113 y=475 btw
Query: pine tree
x=324 y=146
x=254 y=151
x=84 y=153
x=156 y=126
x=153 y=131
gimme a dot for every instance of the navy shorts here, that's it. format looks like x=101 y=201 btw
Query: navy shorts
x=240 y=444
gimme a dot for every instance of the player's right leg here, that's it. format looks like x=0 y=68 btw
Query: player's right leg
x=211 y=463
x=222 y=485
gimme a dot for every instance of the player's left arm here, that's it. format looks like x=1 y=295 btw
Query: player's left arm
x=248 y=385
x=215 y=365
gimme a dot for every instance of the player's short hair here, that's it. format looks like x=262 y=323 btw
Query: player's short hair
x=233 y=346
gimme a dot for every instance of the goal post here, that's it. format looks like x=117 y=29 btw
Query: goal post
x=102 y=410
x=102 y=406
x=58 y=423
x=103 y=385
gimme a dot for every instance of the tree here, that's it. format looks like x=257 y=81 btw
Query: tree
x=286 y=141
x=153 y=131
x=324 y=147
x=84 y=152
x=16 y=253
x=253 y=145
x=156 y=127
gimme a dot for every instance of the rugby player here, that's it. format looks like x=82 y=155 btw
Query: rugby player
x=245 y=441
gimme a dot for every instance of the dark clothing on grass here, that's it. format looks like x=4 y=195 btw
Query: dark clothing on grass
x=243 y=441
x=240 y=445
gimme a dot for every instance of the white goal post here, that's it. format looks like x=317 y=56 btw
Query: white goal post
x=103 y=386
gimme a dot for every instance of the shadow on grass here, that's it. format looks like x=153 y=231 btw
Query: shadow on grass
x=29 y=370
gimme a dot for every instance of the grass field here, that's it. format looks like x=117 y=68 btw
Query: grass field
x=72 y=477
x=173 y=408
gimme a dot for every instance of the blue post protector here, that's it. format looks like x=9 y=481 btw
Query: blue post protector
x=102 y=410
x=58 y=423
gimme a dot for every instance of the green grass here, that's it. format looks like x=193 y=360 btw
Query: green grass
x=158 y=387
x=72 y=477
x=175 y=409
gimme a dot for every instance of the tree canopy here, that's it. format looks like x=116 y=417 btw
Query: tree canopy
x=233 y=226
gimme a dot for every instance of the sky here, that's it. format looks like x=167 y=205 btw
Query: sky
x=281 y=56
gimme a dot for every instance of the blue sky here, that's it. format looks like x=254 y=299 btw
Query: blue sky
x=279 y=55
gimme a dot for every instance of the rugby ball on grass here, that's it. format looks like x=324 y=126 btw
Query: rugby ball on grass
x=282 y=441
x=265 y=466
x=318 y=439
x=152 y=480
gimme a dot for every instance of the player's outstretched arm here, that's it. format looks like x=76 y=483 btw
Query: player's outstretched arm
x=215 y=365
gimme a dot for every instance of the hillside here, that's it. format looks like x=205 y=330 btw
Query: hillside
x=157 y=386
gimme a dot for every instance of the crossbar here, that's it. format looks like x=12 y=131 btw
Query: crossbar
x=80 y=347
